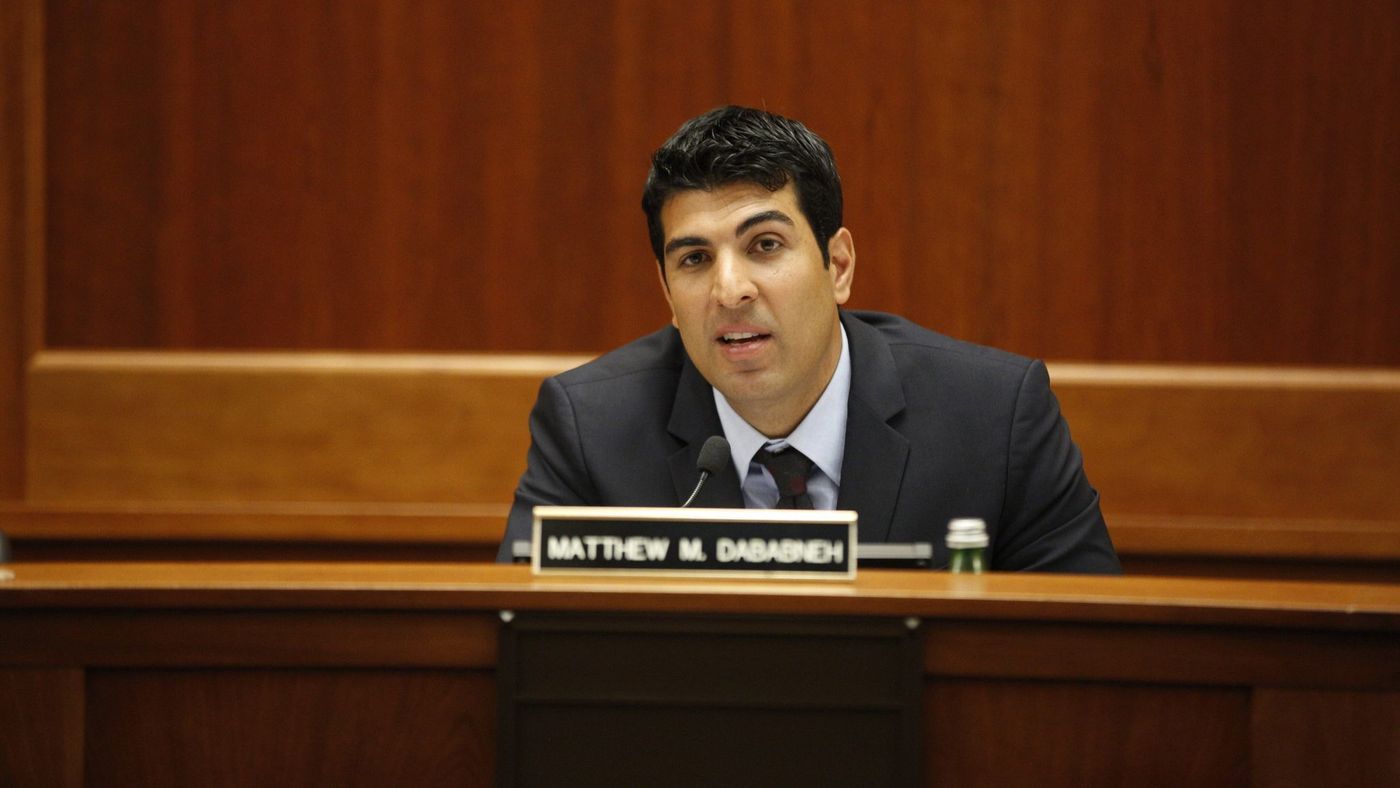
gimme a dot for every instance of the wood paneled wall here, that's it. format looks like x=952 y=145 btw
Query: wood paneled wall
x=1110 y=180
x=1102 y=180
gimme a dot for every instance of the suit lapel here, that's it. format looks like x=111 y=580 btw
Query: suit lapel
x=875 y=455
x=872 y=469
x=693 y=420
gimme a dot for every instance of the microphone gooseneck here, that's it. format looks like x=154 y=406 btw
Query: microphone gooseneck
x=713 y=455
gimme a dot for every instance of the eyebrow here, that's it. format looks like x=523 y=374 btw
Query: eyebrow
x=744 y=226
x=688 y=240
x=760 y=218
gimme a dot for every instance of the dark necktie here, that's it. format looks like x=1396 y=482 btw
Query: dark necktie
x=790 y=469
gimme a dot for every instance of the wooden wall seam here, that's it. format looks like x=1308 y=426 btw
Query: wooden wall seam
x=35 y=197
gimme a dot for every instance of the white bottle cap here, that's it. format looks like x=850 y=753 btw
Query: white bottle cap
x=967 y=532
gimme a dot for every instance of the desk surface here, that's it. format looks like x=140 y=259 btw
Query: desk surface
x=874 y=592
x=169 y=673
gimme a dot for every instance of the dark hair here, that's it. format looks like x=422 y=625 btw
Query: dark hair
x=742 y=145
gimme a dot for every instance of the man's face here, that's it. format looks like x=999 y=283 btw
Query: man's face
x=755 y=307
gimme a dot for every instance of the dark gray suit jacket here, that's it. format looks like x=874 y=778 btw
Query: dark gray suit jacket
x=936 y=429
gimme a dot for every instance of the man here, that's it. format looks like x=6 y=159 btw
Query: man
x=848 y=410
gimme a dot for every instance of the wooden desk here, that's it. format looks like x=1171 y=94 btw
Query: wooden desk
x=346 y=674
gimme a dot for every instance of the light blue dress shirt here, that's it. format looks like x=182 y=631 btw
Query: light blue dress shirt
x=821 y=436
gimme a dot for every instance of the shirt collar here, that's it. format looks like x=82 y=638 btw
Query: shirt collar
x=821 y=435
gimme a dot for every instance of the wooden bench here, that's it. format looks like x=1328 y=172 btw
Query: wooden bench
x=1223 y=471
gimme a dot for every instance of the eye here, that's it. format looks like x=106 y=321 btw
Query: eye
x=692 y=259
x=767 y=244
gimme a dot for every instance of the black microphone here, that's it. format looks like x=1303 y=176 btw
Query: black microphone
x=713 y=455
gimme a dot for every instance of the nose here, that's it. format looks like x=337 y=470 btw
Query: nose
x=732 y=284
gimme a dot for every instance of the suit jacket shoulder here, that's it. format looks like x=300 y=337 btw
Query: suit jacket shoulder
x=913 y=344
x=940 y=428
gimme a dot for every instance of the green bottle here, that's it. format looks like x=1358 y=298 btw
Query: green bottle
x=967 y=546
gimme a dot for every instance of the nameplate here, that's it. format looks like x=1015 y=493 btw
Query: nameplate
x=758 y=543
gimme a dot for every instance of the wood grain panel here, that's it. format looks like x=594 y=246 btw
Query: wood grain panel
x=283 y=719
x=372 y=175
x=21 y=222
x=1302 y=609
x=281 y=428
x=250 y=727
x=243 y=638
x=1254 y=464
x=1321 y=550
x=11 y=258
x=1327 y=550
x=118 y=547
x=1165 y=654
x=41 y=711
x=428 y=524
x=997 y=733
x=1295 y=444
x=1298 y=741
x=1223 y=566
x=1192 y=181
x=254 y=532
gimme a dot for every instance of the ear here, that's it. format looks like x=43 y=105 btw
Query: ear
x=666 y=291
x=841 y=252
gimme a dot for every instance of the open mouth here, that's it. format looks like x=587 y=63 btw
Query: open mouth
x=740 y=338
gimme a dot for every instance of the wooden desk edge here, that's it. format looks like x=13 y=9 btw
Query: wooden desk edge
x=1118 y=600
